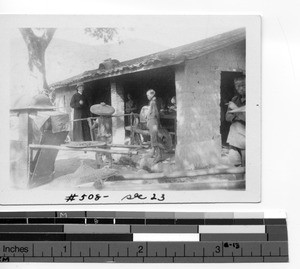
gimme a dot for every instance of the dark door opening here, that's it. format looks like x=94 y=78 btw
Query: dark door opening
x=227 y=93
x=98 y=91
x=162 y=80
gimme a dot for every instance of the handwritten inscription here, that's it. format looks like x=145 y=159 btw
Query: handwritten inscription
x=84 y=197
x=95 y=197
x=233 y=245
x=138 y=196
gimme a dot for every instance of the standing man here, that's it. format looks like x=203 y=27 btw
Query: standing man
x=236 y=114
x=81 y=129
x=153 y=124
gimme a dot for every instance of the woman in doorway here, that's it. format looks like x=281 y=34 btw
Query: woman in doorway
x=236 y=114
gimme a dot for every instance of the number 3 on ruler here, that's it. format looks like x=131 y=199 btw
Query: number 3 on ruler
x=218 y=249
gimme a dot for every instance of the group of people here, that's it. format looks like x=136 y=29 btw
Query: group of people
x=131 y=104
x=81 y=129
x=235 y=115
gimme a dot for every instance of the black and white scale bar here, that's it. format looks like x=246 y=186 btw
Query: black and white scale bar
x=18 y=220
x=91 y=236
x=64 y=237
x=160 y=218
x=139 y=236
x=271 y=230
x=192 y=221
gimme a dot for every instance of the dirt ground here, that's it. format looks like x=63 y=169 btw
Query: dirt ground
x=67 y=162
x=71 y=169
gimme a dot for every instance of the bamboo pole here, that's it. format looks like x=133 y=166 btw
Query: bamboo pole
x=124 y=146
x=99 y=150
x=203 y=184
x=194 y=173
x=117 y=115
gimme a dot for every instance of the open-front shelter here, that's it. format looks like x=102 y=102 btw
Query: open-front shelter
x=199 y=74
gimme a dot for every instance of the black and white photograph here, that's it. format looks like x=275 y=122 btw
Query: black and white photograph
x=132 y=109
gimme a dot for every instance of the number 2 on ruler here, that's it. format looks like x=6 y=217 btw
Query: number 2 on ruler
x=140 y=250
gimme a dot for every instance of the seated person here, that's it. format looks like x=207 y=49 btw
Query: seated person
x=173 y=106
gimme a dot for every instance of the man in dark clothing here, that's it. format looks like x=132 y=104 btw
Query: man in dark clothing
x=236 y=114
x=153 y=125
x=81 y=129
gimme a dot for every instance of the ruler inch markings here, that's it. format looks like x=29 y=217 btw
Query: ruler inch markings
x=72 y=236
x=265 y=251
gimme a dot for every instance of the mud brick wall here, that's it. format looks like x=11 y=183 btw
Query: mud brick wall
x=63 y=98
x=62 y=101
x=198 y=106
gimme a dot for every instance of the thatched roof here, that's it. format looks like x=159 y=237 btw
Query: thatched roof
x=168 y=57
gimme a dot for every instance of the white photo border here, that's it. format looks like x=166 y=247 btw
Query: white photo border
x=252 y=23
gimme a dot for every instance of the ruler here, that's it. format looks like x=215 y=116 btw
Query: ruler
x=142 y=237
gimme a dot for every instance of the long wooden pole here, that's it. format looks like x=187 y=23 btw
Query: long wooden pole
x=125 y=146
x=197 y=184
x=193 y=173
x=117 y=115
x=100 y=150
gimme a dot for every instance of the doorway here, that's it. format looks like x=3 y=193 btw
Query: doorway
x=227 y=93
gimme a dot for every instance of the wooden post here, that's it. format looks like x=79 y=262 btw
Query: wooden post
x=117 y=102
x=131 y=128
x=118 y=124
x=89 y=120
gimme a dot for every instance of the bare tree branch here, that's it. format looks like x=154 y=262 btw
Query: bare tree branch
x=48 y=35
x=37 y=41
x=27 y=34
x=44 y=40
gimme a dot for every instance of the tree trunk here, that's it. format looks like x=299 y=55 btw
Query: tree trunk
x=37 y=41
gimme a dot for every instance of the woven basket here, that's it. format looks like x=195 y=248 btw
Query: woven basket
x=102 y=109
